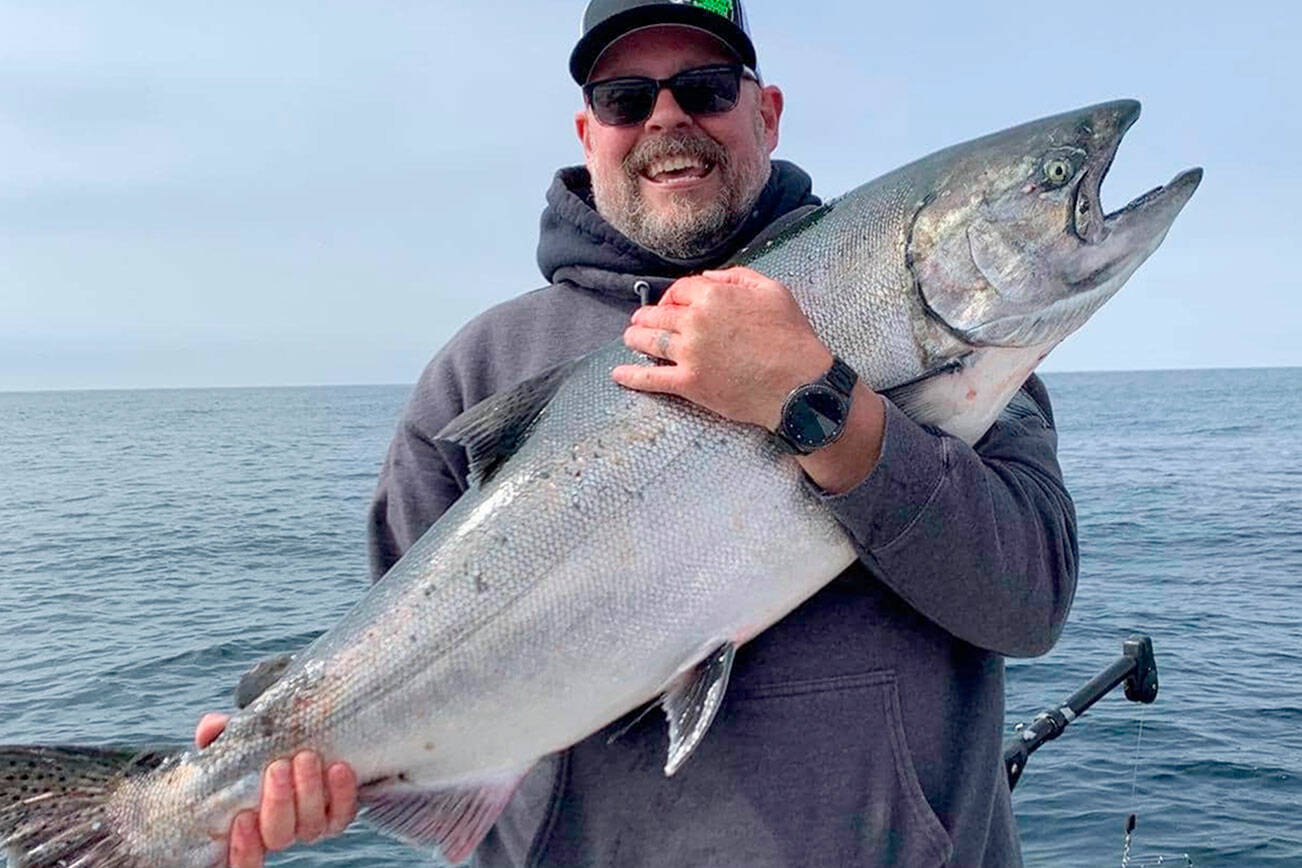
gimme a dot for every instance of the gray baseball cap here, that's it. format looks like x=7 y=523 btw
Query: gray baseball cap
x=604 y=21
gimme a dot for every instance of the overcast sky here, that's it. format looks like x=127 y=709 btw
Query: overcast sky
x=254 y=193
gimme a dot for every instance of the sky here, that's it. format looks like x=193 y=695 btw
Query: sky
x=323 y=192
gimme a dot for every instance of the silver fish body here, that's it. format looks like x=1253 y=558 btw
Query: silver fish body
x=618 y=545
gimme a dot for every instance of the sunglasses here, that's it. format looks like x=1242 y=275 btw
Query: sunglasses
x=705 y=90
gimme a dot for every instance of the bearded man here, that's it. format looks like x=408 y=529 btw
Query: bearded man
x=865 y=727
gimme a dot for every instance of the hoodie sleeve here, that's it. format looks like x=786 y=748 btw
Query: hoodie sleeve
x=421 y=477
x=980 y=540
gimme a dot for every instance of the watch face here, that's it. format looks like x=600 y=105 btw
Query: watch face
x=815 y=416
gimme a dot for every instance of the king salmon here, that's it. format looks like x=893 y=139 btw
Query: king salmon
x=537 y=610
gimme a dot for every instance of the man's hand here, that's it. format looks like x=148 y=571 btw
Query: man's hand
x=300 y=802
x=738 y=341
x=739 y=345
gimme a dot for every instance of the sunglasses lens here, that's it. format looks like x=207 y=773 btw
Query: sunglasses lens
x=706 y=91
x=622 y=101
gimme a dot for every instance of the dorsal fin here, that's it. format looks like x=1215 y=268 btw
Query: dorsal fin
x=263 y=674
x=492 y=430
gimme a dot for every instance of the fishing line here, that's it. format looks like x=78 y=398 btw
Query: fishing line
x=1134 y=772
x=1134 y=784
x=1131 y=819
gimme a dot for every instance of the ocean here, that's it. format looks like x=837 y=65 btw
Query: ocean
x=154 y=544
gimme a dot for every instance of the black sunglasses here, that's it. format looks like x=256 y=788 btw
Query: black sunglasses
x=705 y=90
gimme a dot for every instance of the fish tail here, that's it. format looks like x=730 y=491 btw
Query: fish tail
x=55 y=805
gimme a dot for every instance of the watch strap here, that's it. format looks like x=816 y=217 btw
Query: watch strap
x=840 y=378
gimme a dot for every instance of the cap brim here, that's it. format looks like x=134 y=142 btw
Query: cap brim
x=599 y=38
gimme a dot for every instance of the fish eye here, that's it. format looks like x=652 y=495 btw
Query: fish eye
x=1057 y=172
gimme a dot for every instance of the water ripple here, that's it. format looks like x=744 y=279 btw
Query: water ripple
x=155 y=544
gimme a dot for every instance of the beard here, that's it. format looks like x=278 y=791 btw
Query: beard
x=683 y=227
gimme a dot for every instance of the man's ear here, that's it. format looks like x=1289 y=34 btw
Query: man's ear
x=771 y=102
x=581 y=122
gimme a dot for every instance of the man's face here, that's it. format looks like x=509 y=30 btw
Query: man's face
x=676 y=183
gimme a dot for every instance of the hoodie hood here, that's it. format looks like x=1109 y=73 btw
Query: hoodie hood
x=576 y=244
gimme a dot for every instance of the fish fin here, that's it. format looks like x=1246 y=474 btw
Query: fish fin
x=54 y=804
x=259 y=677
x=693 y=701
x=914 y=397
x=492 y=430
x=633 y=720
x=453 y=820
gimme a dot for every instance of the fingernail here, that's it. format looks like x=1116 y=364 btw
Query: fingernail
x=279 y=773
x=308 y=763
x=244 y=820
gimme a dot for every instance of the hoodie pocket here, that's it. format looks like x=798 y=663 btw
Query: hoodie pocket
x=849 y=731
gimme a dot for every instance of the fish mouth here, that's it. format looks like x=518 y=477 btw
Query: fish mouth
x=1106 y=248
x=1130 y=236
x=1162 y=201
x=1169 y=196
x=1109 y=124
x=1136 y=229
x=1138 y=226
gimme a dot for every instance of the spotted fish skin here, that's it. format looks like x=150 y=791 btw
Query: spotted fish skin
x=539 y=608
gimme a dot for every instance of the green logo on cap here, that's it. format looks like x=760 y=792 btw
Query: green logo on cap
x=718 y=7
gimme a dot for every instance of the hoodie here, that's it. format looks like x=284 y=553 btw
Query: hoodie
x=865 y=727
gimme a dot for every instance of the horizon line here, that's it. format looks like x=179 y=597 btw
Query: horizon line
x=249 y=387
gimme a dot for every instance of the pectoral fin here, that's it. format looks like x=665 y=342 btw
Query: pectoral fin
x=920 y=400
x=693 y=700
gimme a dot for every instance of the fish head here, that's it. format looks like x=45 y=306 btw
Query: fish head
x=1012 y=248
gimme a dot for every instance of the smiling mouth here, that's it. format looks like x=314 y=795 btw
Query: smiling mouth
x=669 y=170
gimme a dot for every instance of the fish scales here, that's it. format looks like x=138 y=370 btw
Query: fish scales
x=615 y=546
x=579 y=593
x=853 y=282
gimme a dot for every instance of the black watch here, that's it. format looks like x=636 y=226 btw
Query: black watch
x=814 y=414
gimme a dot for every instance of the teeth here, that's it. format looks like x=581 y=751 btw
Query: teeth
x=673 y=164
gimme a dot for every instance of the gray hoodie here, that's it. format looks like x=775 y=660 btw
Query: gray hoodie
x=865 y=727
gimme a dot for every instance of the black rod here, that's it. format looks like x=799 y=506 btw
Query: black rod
x=1136 y=668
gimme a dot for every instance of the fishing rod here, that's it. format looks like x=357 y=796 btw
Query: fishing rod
x=1136 y=668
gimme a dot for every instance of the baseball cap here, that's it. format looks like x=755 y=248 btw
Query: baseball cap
x=604 y=21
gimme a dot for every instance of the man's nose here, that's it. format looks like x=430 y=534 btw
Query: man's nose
x=667 y=114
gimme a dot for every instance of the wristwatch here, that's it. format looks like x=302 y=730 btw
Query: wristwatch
x=814 y=414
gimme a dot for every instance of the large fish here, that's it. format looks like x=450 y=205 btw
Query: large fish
x=538 y=609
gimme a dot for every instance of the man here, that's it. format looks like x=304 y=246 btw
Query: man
x=865 y=727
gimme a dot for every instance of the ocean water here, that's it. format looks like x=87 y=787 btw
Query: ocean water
x=153 y=544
